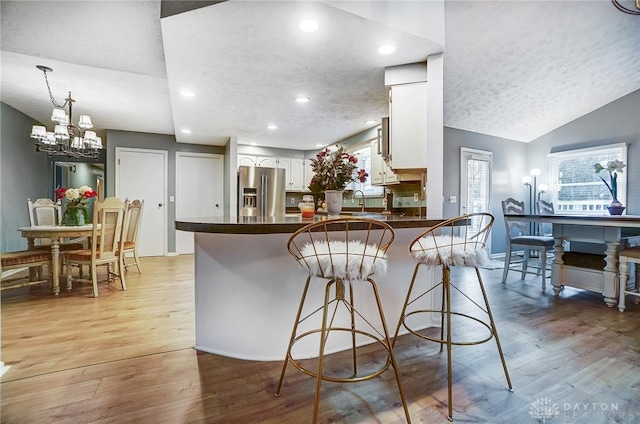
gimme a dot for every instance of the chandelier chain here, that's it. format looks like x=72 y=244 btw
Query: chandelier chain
x=53 y=100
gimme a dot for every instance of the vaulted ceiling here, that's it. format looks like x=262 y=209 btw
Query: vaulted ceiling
x=513 y=69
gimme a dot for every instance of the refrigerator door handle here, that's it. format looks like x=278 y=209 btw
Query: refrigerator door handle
x=263 y=194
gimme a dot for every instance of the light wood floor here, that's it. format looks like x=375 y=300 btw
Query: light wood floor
x=127 y=357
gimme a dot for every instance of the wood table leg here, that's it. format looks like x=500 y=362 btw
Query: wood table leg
x=55 y=273
x=610 y=274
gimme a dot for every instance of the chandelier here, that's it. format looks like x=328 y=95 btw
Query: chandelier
x=74 y=141
x=624 y=9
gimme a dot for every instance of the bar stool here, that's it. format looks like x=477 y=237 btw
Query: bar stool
x=346 y=251
x=458 y=241
x=630 y=254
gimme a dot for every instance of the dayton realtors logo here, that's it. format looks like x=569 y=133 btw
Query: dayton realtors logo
x=544 y=408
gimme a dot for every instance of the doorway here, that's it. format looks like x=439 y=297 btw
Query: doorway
x=199 y=191
x=475 y=181
x=142 y=174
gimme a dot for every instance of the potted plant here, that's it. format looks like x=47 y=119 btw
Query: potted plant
x=76 y=210
x=613 y=168
x=333 y=170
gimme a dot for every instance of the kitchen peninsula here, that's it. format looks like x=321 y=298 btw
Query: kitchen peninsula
x=247 y=285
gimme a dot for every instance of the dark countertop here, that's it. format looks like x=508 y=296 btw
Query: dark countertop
x=287 y=224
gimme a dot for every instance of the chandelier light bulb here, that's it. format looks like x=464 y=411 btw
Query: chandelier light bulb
x=38 y=132
x=526 y=180
x=535 y=172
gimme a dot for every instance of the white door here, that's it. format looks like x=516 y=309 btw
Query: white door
x=475 y=181
x=142 y=174
x=199 y=191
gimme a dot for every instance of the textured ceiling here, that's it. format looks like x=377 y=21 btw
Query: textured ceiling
x=513 y=69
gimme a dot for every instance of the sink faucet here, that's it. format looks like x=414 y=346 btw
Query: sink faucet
x=361 y=202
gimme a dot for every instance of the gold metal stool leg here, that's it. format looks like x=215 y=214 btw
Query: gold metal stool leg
x=494 y=330
x=327 y=327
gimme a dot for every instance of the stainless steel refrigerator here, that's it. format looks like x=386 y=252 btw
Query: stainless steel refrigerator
x=261 y=191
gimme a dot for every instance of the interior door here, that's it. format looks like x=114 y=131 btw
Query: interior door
x=199 y=191
x=475 y=181
x=142 y=174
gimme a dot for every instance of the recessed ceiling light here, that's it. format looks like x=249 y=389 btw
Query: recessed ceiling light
x=319 y=145
x=370 y=122
x=272 y=127
x=187 y=93
x=386 y=49
x=185 y=131
x=303 y=99
x=253 y=143
x=309 y=25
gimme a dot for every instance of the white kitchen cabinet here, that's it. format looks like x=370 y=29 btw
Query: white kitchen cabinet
x=247 y=160
x=296 y=176
x=408 y=126
x=294 y=168
x=267 y=162
x=381 y=173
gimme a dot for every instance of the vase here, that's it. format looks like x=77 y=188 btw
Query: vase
x=74 y=217
x=615 y=207
x=333 y=198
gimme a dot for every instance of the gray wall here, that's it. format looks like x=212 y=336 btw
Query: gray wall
x=616 y=122
x=509 y=161
x=155 y=142
x=23 y=173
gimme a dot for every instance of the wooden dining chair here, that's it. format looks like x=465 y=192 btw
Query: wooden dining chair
x=15 y=261
x=129 y=238
x=107 y=229
x=519 y=236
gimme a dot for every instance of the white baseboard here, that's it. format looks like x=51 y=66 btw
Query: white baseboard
x=172 y=254
x=3 y=369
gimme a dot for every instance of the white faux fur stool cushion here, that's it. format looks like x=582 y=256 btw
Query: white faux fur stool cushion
x=449 y=251
x=335 y=259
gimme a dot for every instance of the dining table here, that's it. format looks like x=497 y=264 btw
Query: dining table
x=614 y=231
x=55 y=233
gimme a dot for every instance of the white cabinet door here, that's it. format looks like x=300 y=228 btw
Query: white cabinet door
x=296 y=174
x=377 y=164
x=381 y=173
x=267 y=162
x=285 y=163
x=408 y=125
x=246 y=160
x=308 y=174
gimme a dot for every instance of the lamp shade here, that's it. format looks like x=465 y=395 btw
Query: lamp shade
x=77 y=143
x=50 y=138
x=38 y=132
x=85 y=122
x=90 y=137
x=61 y=132
x=59 y=116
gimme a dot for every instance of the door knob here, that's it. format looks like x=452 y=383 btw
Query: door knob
x=160 y=205
x=217 y=205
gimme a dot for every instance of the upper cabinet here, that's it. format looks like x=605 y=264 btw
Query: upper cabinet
x=408 y=126
x=381 y=173
x=294 y=168
x=247 y=160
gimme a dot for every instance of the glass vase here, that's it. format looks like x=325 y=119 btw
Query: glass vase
x=74 y=217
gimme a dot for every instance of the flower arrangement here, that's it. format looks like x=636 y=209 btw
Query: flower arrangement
x=334 y=170
x=77 y=201
x=613 y=168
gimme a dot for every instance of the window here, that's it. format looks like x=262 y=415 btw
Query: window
x=576 y=187
x=363 y=153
